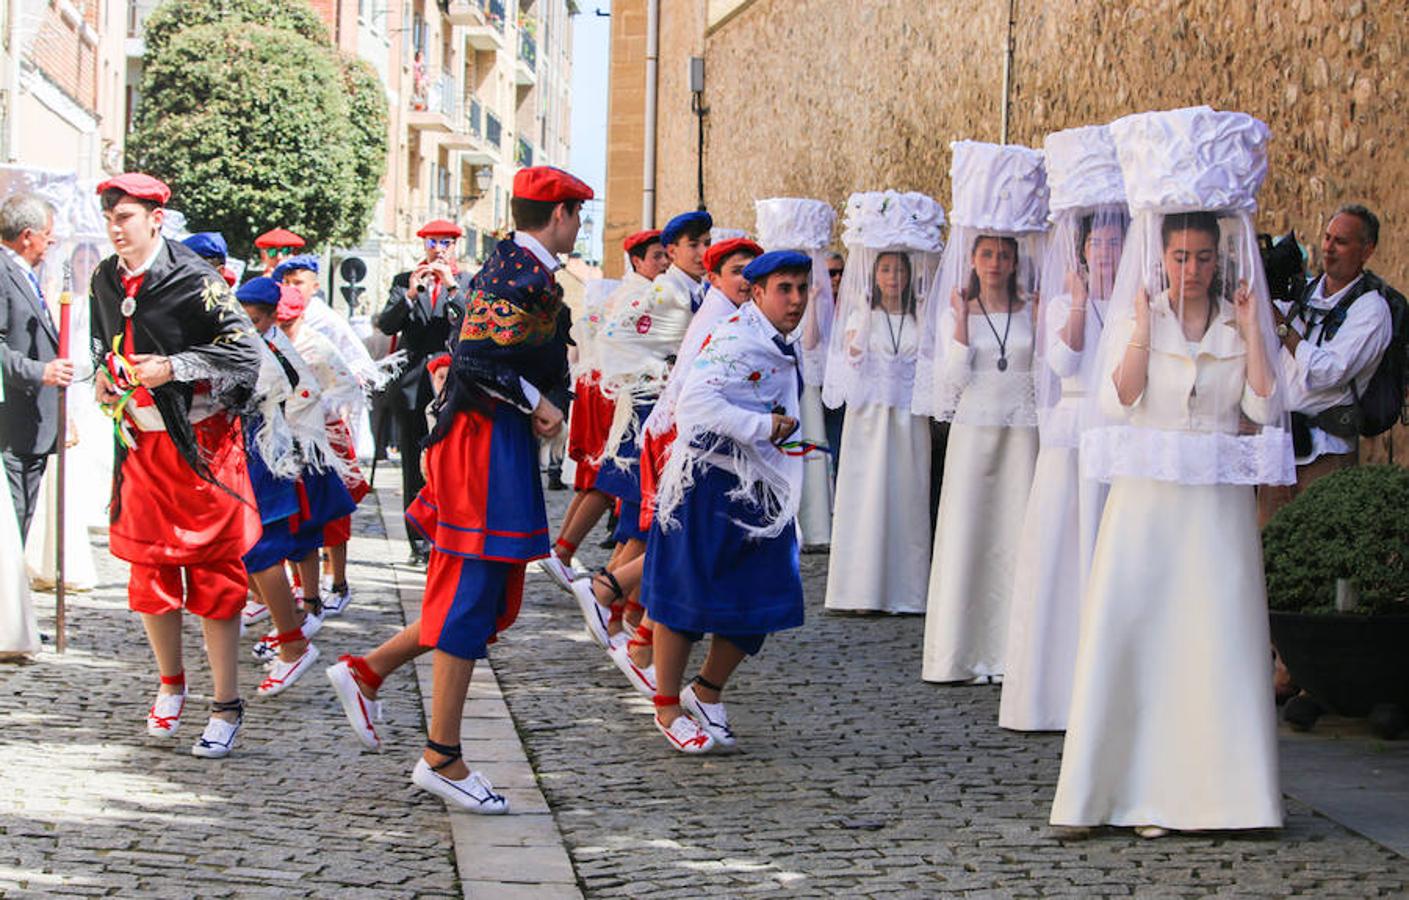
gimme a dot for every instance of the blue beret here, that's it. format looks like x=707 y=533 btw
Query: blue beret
x=774 y=260
x=208 y=244
x=293 y=264
x=259 y=291
x=672 y=230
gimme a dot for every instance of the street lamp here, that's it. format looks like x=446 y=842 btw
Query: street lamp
x=484 y=178
x=697 y=86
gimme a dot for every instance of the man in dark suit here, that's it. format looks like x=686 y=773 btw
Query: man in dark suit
x=423 y=312
x=29 y=345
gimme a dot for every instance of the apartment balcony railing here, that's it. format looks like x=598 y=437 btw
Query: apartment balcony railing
x=435 y=105
x=494 y=12
x=493 y=129
x=474 y=117
x=528 y=49
x=523 y=153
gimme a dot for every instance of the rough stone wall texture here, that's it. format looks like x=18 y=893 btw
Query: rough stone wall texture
x=818 y=98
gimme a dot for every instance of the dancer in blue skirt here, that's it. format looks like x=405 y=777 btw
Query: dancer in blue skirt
x=722 y=554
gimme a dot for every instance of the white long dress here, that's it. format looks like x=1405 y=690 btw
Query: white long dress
x=1172 y=716
x=881 y=518
x=987 y=477
x=19 y=630
x=87 y=480
x=814 y=517
x=1054 y=552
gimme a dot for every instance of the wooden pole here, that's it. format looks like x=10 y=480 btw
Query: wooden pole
x=60 y=611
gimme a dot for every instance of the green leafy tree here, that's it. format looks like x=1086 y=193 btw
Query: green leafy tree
x=175 y=16
x=367 y=116
x=255 y=121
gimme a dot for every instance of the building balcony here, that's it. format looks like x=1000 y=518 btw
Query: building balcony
x=435 y=107
x=526 y=65
x=468 y=13
x=471 y=139
x=488 y=33
x=523 y=153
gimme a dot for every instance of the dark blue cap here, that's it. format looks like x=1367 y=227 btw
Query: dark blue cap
x=208 y=244
x=774 y=260
x=295 y=263
x=259 y=291
x=676 y=226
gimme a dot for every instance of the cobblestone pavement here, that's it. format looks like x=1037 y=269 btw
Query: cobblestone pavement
x=856 y=779
x=89 y=805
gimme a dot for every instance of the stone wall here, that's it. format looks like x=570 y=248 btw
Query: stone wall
x=818 y=98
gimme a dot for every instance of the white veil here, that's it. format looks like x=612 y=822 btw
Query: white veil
x=789 y=223
x=1000 y=203
x=1191 y=179
x=1089 y=225
x=899 y=232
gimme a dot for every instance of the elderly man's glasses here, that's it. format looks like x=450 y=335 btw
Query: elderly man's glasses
x=835 y=273
x=439 y=243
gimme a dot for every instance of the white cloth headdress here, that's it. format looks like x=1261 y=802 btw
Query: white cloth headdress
x=1000 y=206
x=1089 y=222
x=1191 y=180
x=871 y=355
x=791 y=223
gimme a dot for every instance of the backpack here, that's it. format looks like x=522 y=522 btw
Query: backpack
x=1382 y=404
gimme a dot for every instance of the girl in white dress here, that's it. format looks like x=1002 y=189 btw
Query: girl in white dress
x=881 y=520
x=19 y=629
x=1172 y=720
x=1089 y=220
x=976 y=358
x=792 y=223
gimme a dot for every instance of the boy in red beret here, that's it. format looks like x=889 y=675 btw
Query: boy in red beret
x=178 y=363
x=482 y=509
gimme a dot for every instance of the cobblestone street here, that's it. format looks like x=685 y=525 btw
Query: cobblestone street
x=856 y=778
x=90 y=805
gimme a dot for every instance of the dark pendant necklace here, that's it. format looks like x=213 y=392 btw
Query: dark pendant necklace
x=895 y=334
x=1002 y=341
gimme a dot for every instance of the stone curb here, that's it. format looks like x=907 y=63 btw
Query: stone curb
x=519 y=855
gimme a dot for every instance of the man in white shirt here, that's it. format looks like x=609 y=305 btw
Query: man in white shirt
x=1330 y=351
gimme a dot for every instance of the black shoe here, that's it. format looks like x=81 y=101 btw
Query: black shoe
x=419 y=555
x=555 y=482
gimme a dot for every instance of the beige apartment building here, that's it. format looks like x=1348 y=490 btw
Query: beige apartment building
x=475 y=89
x=61 y=85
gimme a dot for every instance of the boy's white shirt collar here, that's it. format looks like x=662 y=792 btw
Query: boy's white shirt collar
x=142 y=269
x=534 y=246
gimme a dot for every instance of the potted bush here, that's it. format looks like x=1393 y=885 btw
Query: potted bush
x=1351 y=656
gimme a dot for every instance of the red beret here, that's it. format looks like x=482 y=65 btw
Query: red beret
x=139 y=185
x=550 y=185
x=716 y=254
x=436 y=363
x=440 y=228
x=641 y=237
x=278 y=237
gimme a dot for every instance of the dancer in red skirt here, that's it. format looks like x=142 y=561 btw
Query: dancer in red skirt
x=179 y=360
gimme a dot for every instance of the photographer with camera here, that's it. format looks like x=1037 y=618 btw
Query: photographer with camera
x=1334 y=336
x=423 y=313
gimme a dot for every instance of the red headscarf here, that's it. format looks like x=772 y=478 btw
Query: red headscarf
x=292 y=303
